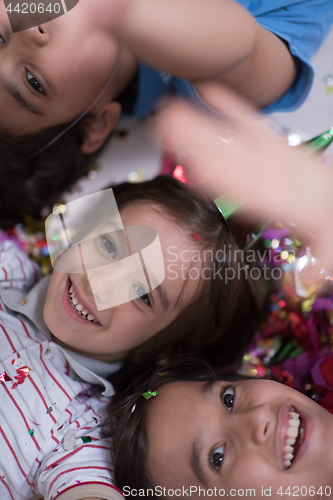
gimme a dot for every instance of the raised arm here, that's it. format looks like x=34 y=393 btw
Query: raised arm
x=208 y=39
x=239 y=154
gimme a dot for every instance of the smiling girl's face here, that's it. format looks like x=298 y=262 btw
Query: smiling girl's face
x=252 y=434
x=71 y=314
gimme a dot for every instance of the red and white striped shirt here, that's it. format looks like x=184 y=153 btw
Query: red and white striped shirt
x=50 y=432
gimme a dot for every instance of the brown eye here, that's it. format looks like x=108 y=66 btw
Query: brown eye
x=217 y=457
x=228 y=397
x=34 y=83
x=142 y=294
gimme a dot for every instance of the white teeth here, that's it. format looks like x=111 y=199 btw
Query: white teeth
x=71 y=290
x=294 y=423
x=292 y=432
x=301 y=433
x=79 y=307
x=291 y=435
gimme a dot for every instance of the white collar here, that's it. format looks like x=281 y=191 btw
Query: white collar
x=90 y=370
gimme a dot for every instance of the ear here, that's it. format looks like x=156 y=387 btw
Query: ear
x=98 y=128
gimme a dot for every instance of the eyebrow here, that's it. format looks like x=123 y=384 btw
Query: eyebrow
x=14 y=92
x=208 y=387
x=184 y=286
x=162 y=296
x=195 y=461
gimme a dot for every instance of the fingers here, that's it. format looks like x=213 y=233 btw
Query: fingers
x=226 y=101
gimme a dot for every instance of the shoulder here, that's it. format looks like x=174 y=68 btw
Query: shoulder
x=16 y=269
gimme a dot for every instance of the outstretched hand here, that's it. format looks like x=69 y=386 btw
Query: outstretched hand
x=238 y=153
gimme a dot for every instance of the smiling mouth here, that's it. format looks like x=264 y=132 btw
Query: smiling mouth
x=81 y=310
x=294 y=438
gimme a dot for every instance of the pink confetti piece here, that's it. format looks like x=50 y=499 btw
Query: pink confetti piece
x=196 y=237
x=179 y=174
x=4 y=377
x=22 y=374
x=33 y=422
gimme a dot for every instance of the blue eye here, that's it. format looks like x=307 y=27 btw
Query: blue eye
x=143 y=294
x=216 y=457
x=2 y=40
x=34 y=83
x=228 y=396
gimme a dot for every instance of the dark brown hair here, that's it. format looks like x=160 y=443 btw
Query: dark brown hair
x=128 y=418
x=29 y=182
x=221 y=318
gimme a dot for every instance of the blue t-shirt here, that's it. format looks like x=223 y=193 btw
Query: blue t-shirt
x=303 y=24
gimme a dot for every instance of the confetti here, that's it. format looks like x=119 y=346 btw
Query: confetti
x=49 y=409
x=133 y=408
x=86 y=439
x=196 y=237
x=162 y=373
x=4 y=377
x=22 y=374
x=33 y=422
x=179 y=174
x=149 y=394
x=31 y=432
x=69 y=440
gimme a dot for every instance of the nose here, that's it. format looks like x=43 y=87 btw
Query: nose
x=255 y=424
x=38 y=35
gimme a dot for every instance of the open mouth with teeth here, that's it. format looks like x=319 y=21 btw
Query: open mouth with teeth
x=79 y=308
x=294 y=438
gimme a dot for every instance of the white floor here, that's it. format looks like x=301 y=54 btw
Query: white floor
x=131 y=153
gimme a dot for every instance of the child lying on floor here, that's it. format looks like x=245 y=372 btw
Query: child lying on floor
x=65 y=83
x=58 y=347
x=193 y=432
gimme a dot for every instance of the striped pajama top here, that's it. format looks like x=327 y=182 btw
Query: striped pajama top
x=50 y=418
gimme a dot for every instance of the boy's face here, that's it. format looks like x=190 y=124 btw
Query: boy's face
x=110 y=334
x=234 y=438
x=56 y=70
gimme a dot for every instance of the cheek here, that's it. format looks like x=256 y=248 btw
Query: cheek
x=254 y=473
x=251 y=472
x=53 y=296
